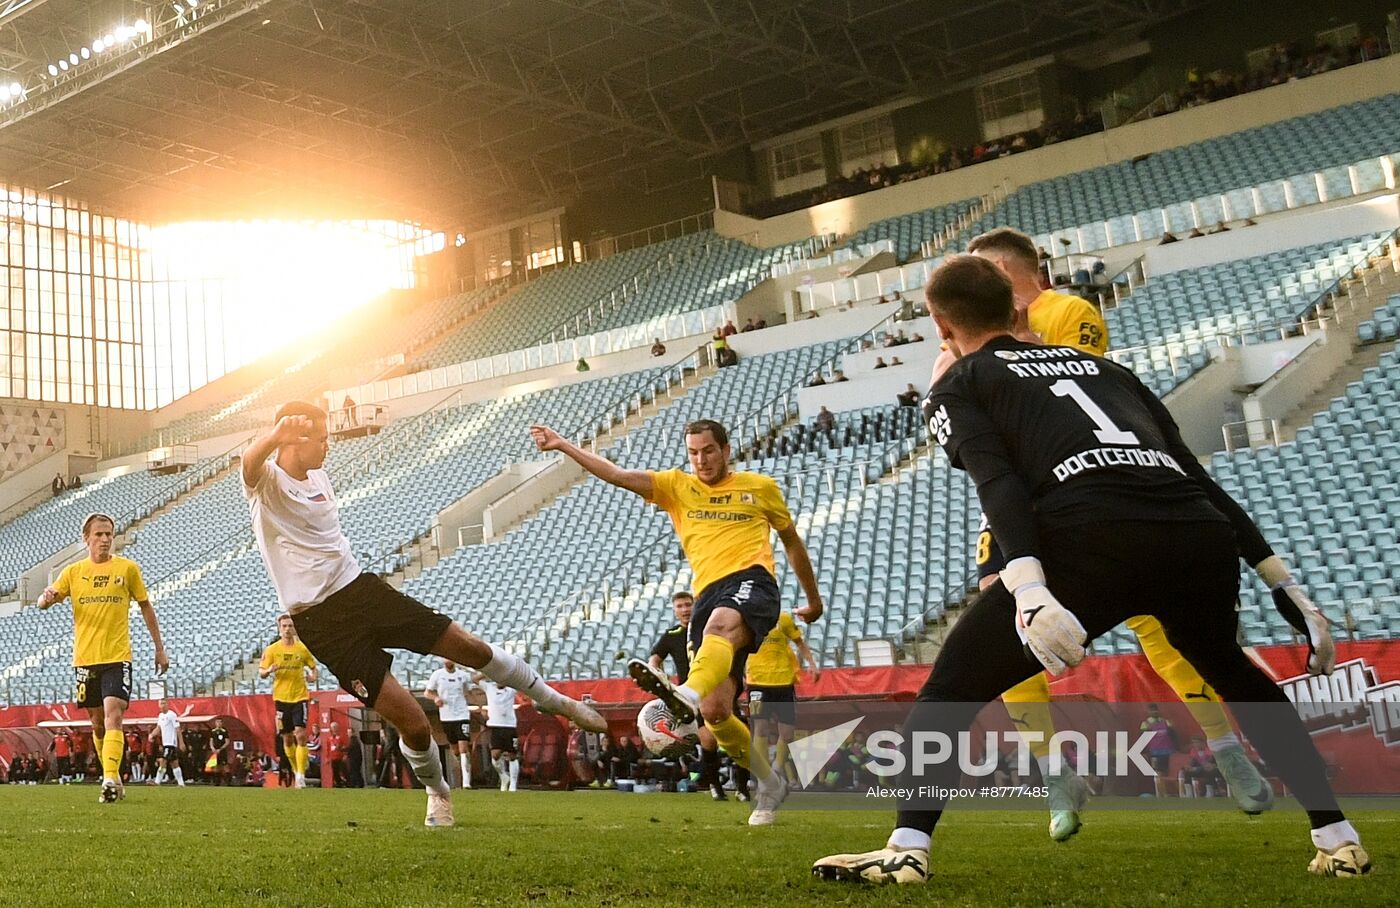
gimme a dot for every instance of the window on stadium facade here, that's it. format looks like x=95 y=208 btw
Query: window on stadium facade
x=867 y=144
x=797 y=165
x=107 y=311
x=1010 y=105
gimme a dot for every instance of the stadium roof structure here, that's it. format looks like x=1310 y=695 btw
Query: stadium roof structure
x=461 y=113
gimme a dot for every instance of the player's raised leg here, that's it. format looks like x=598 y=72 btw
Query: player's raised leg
x=1247 y=786
x=509 y=670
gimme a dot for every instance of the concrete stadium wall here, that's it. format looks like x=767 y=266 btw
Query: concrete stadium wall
x=1300 y=228
x=1260 y=108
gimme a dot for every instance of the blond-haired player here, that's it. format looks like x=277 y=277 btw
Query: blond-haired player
x=292 y=664
x=102 y=587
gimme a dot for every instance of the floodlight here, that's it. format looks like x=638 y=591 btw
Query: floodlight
x=97 y=46
x=73 y=59
x=63 y=65
x=53 y=70
x=86 y=53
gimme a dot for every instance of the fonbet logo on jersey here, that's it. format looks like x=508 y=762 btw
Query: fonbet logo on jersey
x=940 y=426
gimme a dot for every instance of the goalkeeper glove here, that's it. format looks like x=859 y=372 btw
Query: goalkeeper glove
x=1049 y=632
x=1298 y=610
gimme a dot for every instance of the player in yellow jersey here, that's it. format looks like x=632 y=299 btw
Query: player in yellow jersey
x=1066 y=320
x=293 y=665
x=102 y=587
x=723 y=518
x=771 y=678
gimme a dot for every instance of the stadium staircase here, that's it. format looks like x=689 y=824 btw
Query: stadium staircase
x=1363 y=300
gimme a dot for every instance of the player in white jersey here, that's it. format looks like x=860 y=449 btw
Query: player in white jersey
x=172 y=743
x=447 y=688
x=348 y=619
x=500 y=726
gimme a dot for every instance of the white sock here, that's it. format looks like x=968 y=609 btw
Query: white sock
x=910 y=839
x=426 y=767
x=1224 y=741
x=511 y=671
x=179 y=775
x=160 y=775
x=514 y=774
x=465 y=760
x=1335 y=835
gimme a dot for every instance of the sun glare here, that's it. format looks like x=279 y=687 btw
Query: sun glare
x=293 y=277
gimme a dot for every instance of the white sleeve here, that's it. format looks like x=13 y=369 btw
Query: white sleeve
x=250 y=492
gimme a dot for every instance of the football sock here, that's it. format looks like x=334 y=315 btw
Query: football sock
x=1334 y=835
x=303 y=759
x=709 y=767
x=514 y=774
x=733 y=735
x=426 y=767
x=112 y=745
x=780 y=756
x=1028 y=703
x=905 y=838
x=710 y=667
x=179 y=775
x=1222 y=742
x=465 y=760
x=1212 y=718
x=97 y=744
x=511 y=671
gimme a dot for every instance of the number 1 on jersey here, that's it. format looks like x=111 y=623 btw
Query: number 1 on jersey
x=1104 y=428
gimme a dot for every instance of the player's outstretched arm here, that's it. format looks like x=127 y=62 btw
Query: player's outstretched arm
x=289 y=430
x=802 y=566
x=639 y=481
x=148 y=614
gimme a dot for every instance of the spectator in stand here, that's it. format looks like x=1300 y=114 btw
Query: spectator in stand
x=313 y=753
x=838 y=376
x=826 y=420
x=748 y=326
x=1195 y=233
x=339 y=744
x=1162 y=745
x=257 y=772
x=813 y=314
x=909 y=397
x=603 y=764
x=817 y=381
x=624 y=760
x=62 y=747
x=762 y=323
x=75 y=481
x=1168 y=237
x=1202 y=773
x=896 y=361
x=880 y=363
x=658 y=348
x=728 y=329
x=917 y=338
x=220 y=749
x=890 y=341
x=57 y=485
x=1219 y=227
x=136 y=755
x=867 y=344
x=582 y=365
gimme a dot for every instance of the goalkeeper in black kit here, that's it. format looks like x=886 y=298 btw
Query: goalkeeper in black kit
x=1103 y=513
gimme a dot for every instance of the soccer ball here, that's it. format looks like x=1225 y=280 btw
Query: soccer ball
x=660 y=732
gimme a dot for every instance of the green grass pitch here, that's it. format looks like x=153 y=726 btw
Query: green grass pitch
x=207 y=847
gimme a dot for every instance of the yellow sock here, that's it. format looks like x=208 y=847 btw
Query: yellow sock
x=1182 y=676
x=303 y=759
x=97 y=744
x=113 y=743
x=711 y=666
x=780 y=756
x=733 y=735
x=1029 y=706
